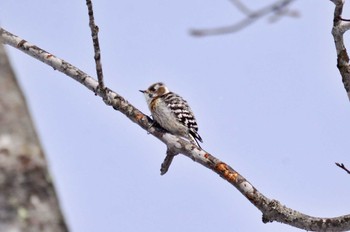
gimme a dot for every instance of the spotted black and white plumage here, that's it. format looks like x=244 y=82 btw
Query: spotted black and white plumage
x=172 y=112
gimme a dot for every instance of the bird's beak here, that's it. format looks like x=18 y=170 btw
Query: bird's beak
x=142 y=91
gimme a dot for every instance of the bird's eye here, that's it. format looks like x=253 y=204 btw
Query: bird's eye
x=149 y=95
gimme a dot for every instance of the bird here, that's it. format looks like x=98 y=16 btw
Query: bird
x=172 y=112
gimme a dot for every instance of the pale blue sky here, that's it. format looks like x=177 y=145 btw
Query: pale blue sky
x=269 y=101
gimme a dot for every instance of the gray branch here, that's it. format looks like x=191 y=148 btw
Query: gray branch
x=271 y=209
x=339 y=28
x=279 y=8
x=94 y=34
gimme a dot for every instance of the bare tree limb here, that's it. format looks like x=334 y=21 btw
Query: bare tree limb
x=271 y=209
x=94 y=34
x=342 y=166
x=339 y=28
x=279 y=8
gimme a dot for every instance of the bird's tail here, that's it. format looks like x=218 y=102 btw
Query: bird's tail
x=195 y=138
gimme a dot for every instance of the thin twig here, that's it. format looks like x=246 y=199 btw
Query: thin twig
x=345 y=20
x=97 y=50
x=223 y=30
x=271 y=209
x=253 y=16
x=342 y=166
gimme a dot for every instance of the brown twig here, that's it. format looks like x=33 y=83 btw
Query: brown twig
x=97 y=50
x=342 y=166
x=278 y=7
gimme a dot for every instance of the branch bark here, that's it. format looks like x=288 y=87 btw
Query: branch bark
x=28 y=201
x=94 y=34
x=271 y=209
x=339 y=28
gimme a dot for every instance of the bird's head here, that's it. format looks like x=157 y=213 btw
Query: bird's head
x=156 y=90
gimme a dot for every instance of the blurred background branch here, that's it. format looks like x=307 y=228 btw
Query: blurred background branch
x=277 y=10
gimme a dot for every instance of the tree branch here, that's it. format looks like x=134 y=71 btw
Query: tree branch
x=339 y=28
x=342 y=166
x=94 y=34
x=271 y=209
x=278 y=8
